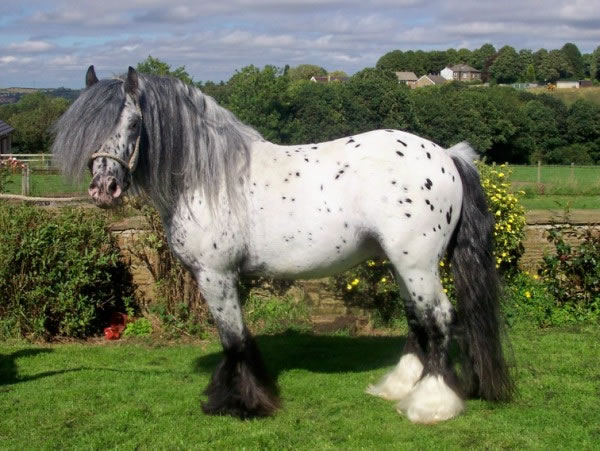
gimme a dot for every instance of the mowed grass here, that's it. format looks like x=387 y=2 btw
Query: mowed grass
x=49 y=185
x=143 y=395
x=571 y=95
x=560 y=187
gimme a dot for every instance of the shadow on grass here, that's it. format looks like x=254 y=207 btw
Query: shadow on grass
x=319 y=353
x=9 y=373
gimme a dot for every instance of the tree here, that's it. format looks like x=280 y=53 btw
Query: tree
x=574 y=59
x=595 y=64
x=436 y=60
x=506 y=67
x=392 y=61
x=338 y=74
x=526 y=60
x=258 y=98
x=155 y=66
x=305 y=72
x=553 y=65
x=480 y=56
x=530 y=74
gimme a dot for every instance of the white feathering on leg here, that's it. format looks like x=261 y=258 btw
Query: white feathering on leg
x=400 y=381
x=431 y=401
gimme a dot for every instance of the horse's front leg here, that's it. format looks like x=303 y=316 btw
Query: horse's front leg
x=240 y=386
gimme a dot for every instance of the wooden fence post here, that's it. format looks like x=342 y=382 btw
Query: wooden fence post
x=25 y=181
x=539 y=172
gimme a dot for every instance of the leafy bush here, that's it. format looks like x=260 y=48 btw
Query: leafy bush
x=527 y=301
x=572 y=272
x=60 y=273
x=274 y=315
x=372 y=283
x=138 y=328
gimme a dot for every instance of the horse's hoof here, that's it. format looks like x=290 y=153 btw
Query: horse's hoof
x=431 y=401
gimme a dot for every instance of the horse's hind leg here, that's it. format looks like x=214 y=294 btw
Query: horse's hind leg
x=240 y=385
x=399 y=382
x=436 y=396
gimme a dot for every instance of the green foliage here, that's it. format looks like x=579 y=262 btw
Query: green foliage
x=305 y=72
x=574 y=59
x=574 y=153
x=32 y=117
x=141 y=327
x=275 y=315
x=155 y=66
x=528 y=302
x=60 y=273
x=506 y=67
x=572 y=272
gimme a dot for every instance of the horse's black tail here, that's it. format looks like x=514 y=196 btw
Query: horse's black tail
x=478 y=287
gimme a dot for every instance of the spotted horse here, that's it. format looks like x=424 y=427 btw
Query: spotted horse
x=234 y=204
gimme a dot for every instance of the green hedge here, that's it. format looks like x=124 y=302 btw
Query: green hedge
x=60 y=273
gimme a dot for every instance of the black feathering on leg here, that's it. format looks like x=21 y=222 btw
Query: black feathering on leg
x=241 y=386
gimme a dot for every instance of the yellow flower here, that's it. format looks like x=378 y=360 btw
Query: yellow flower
x=383 y=279
x=527 y=294
x=348 y=287
x=355 y=281
x=500 y=174
x=535 y=277
x=442 y=263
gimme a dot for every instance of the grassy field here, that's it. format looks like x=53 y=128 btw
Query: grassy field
x=560 y=187
x=146 y=395
x=569 y=96
x=49 y=185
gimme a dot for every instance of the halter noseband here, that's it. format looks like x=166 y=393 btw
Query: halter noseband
x=133 y=160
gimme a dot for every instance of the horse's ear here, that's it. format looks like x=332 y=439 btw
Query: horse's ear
x=90 y=77
x=131 y=83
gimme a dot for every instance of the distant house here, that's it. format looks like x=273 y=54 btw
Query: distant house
x=5 y=137
x=327 y=79
x=461 y=72
x=408 y=78
x=430 y=80
x=565 y=84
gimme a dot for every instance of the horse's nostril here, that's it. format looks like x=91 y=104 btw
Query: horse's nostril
x=112 y=186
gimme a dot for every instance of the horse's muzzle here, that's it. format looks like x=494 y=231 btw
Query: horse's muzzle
x=105 y=191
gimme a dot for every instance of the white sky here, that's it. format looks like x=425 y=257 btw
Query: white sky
x=50 y=43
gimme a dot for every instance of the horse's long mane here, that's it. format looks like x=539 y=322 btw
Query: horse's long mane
x=188 y=140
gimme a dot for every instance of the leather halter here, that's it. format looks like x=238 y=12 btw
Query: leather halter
x=133 y=160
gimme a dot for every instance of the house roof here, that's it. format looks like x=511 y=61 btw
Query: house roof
x=5 y=129
x=406 y=76
x=463 y=68
x=436 y=79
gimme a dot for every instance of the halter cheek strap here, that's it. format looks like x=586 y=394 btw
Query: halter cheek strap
x=133 y=160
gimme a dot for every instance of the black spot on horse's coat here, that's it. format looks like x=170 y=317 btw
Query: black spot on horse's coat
x=448 y=217
x=402 y=142
x=431 y=207
x=443 y=170
x=321 y=187
x=407 y=215
x=285 y=180
x=400 y=202
x=351 y=140
x=283 y=197
x=306 y=159
x=422 y=146
x=215 y=245
x=358 y=145
x=345 y=225
x=389 y=131
x=427 y=201
x=452 y=178
x=297 y=174
x=428 y=183
x=405 y=253
x=409 y=200
x=314 y=147
x=420 y=298
x=393 y=182
x=399 y=153
x=219 y=309
x=428 y=155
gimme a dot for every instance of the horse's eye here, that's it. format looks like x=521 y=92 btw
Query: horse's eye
x=133 y=125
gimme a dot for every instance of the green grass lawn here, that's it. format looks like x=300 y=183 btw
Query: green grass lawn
x=49 y=185
x=561 y=187
x=142 y=395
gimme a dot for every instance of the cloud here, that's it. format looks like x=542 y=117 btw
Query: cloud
x=31 y=46
x=60 y=38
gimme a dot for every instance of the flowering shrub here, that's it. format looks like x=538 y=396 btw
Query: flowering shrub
x=508 y=213
x=373 y=283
